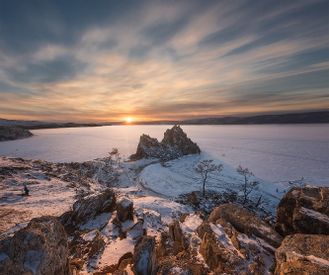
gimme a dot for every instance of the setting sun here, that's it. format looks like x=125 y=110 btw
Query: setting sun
x=129 y=119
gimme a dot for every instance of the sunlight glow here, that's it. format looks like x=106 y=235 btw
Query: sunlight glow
x=129 y=119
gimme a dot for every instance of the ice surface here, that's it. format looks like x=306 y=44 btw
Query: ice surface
x=273 y=152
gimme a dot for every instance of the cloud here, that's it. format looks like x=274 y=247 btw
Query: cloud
x=161 y=59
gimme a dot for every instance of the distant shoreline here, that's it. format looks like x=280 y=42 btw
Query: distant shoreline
x=321 y=117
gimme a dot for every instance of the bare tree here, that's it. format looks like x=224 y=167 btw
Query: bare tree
x=248 y=186
x=205 y=168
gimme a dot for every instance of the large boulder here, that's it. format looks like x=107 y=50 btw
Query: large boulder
x=144 y=260
x=88 y=208
x=245 y=222
x=304 y=210
x=40 y=249
x=303 y=254
x=175 y=144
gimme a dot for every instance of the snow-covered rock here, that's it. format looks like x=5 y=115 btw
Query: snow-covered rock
x=40 y=248
x=246 y=222
x=304 y=210
x=88 y=208
x=303 y=254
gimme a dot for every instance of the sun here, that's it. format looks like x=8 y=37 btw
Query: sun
x=129 y=119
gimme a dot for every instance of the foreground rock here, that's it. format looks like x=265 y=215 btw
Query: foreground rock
x=245 y=222
x=303 y=254
x=12 y=133
x=88 y=208
x=40 y=248
x=304 y=210
x=175 y=144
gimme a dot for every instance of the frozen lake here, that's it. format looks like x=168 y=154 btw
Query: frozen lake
x=272 y=152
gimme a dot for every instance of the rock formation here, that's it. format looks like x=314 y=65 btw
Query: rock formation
x=245 y=222
x=11 y=133
x=40 y=248
x=88 y=208
x=177 y=138
x=175 y=144
x=236 y=241
x=304 y=210
x=303 y=254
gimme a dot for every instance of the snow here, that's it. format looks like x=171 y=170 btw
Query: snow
x=314 y=214
x=47 y=195
x=157 y=212
x=179 y=177
x=88 y=237
x=223 y=238
x=114 y=251
x=267 y=251
x=314 y=259
x=191 y=223
x=98 y=222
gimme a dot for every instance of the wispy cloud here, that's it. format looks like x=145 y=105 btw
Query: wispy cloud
x=161 y=59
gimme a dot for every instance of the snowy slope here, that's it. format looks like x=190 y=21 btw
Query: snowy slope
x=179 y=177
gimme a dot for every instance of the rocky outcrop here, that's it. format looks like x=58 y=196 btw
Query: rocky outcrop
x=303 y=254
x=147 y=147
x=175 y=144
x=125 y=210
x=88 y=208
x=245 y=222
x=40 y=248
x=12 y=133
x=304 y=210
x=144 y=261
x=177 y=138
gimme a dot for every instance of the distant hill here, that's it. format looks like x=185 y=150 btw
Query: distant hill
x=292 y=118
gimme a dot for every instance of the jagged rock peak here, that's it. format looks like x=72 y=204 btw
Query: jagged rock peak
x=177 y=137
x=174 y=144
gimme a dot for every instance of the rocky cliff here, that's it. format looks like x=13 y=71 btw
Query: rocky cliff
x=12 y=133
x=174 y=144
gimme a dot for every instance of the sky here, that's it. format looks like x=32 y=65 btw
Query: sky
x=161 y=60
